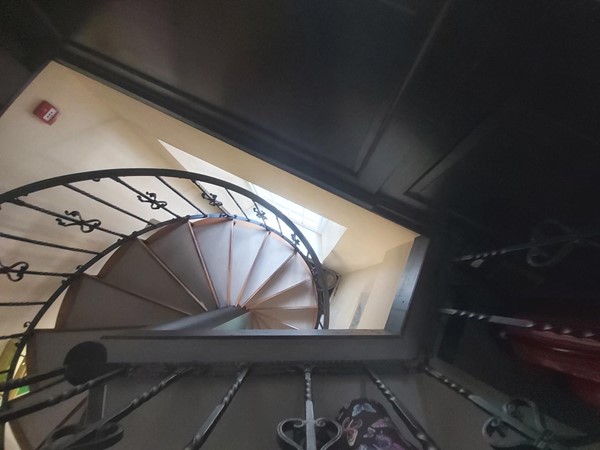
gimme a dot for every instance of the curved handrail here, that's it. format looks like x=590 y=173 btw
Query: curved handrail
x=13 y=196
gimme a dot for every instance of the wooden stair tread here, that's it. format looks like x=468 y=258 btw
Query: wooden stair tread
x=301 y=295
x=303 y=318
x=177 y=249
x=247 y=241
x=272 y=256
x=135 y=268
x=214 y=243
x=93 y=303
x=272 y=323
x=292 y=273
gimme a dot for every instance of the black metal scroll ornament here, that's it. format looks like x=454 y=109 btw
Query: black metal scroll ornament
x=295 y=239
x=212 y=199
x=86 y=226
x=501 y=436
x=150 y=197
x=518 y=425
x=260 y=213
x=15 y=272
x=308 y=433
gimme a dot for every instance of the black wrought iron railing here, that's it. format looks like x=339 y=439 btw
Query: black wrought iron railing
x=144 y=200
x=165 y=196
x=516 y=425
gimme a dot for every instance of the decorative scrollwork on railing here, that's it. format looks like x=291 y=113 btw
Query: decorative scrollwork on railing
x=291 y=433
x=295 y=239
x=150 y=197
x=260 y=213
x=15 y=272
x=212 y=199
x=308 y=433
x=86 y=226
x=499 y=433
x=518 y=424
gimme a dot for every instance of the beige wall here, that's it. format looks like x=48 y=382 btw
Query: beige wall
x=88 y=135
x=379 y=283
x=345 y=300
x=389 y=277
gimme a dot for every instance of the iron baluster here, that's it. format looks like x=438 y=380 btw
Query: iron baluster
x=106 y=203
x=106 y=432
x=8 y=415
x=506 y=427
x=47 y=244
x=16 y=271
x=45 y=386
x=49 y=274
x=21 y=303
x=237 y=204
x=12 y=336
x=212 y=198
x=413 y=425
x=332 y=429
x=587 y=333
x=180 y=195
x=27 y=380
x=86 y=226
x=311 y=434
x=279 y=225
x=139 y=401
x=211 y=421
x=70 y=218
x=259 y=213
x=148 y=197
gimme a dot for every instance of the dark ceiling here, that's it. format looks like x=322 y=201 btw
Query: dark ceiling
x=479 y=115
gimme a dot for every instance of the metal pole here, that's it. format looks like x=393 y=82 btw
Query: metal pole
x=587 y=333
x=413 y=425
x=209 y=424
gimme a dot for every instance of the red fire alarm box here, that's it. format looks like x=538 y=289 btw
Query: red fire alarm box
x=46 y=112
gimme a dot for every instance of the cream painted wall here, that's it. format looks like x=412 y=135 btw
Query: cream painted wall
x=379 y=283
x=345 y=300
x=88 y=135
x=387 y=283
x=365 y=242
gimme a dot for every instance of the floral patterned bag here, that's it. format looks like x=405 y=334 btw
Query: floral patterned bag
x=367 y=426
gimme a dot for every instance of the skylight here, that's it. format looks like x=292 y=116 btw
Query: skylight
x=322 y=233
x=298 y=214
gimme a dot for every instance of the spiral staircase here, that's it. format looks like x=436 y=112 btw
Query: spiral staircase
x=208 y=268
x=214 y=282
x=188 y=269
